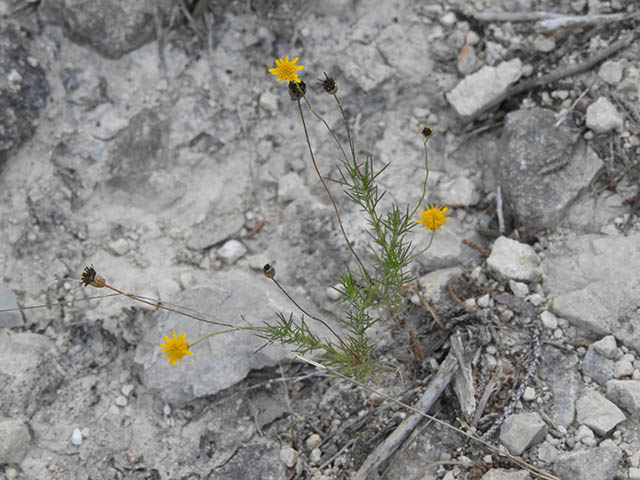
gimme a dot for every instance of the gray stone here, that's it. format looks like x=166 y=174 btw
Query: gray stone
x=603 y=116
x=7 y=301
x=433 y=284
x=598 y=413
x=611 y=71
x=599 y=462
x=519 y=289
x=217 y=227
x=14 y=441
x=223 y=360
x=598 y=367
x=458 y=192
x=139 y=164
x=511 y=259
x=542 y=167
x=626 y=394
x=289 y=456
x=606 y=346
x=547 y=453
x=27 y=372
x=468 y=61
x=23 y=91
x=521 y=431
x=313 y=441
x=477 y=89
x=559 y=371
x=502 y=474
x=111 y=28
x=623 y=367
x=593 y=283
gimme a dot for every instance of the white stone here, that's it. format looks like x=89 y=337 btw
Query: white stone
x=598 y=413
x=611 y=72
x=606 y=346
x=484 y=301
x=313 y=441
x=603 y=116
x=448 y=19
x=289 y=456
x=231 y=251
x=121 y=401
x=519 y=289
x=514 y=260
x=76 y=437
x=535 y=299
x=634 y=473
x=315 y=456
x=544 y=44
x=626 y=394
x=458 y=192
x=529 y=394
x=623 y=368
x=475 y=90
x=549 y=320
x=119 y=247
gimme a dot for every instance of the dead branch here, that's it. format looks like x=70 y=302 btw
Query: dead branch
x=387 y=448
x=554 y=76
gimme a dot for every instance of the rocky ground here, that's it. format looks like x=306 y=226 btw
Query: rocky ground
x=148 y=139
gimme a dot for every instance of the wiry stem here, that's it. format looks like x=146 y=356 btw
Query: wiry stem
x=314 y=318
x=349 y=139
x=157 y=305
x=333 y=202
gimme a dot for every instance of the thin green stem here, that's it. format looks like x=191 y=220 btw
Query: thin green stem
x=333 y=202
x=349 y=139
x=426 y=177
x=314 y=318
x=193 y=344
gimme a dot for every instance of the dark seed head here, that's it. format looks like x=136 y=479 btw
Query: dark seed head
x=427 y=132
x=269 y=271
x=297 y=90
x=328 y=84
x=90 y=277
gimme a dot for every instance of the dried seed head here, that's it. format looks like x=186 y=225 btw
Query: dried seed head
x=328 y=84
x=90 y=277
x=269 y=271
x=427 y=132
x=297 y=90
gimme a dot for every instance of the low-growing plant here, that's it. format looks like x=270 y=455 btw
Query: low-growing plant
x=369 y=294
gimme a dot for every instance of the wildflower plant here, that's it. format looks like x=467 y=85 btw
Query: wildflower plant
x=365 y=292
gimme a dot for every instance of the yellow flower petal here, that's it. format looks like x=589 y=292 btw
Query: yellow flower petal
x=433 y=218
x=175 y=348
x=286 y=69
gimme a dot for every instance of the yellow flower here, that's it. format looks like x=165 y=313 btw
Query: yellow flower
x=433 y=218
x=175 y=348
x=286 y=69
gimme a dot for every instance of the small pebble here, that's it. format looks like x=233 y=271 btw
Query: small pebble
x=11 y=473
x=315 y=456
x=557 y=334
x=313 y=441
x=536 y=299
x=484 y=301
x=519 y=289
x=529 y=394
x=289 y=456
x=549 y=320
x=76 y=437
x=121 y=401
x=166 y=410
x=127 y=389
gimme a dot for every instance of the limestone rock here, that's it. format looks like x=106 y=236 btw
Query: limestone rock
x=598 y=413
x=477 y=89
x=514 y=260
x=543 y=168
x=521 y=431
x=603 y=116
